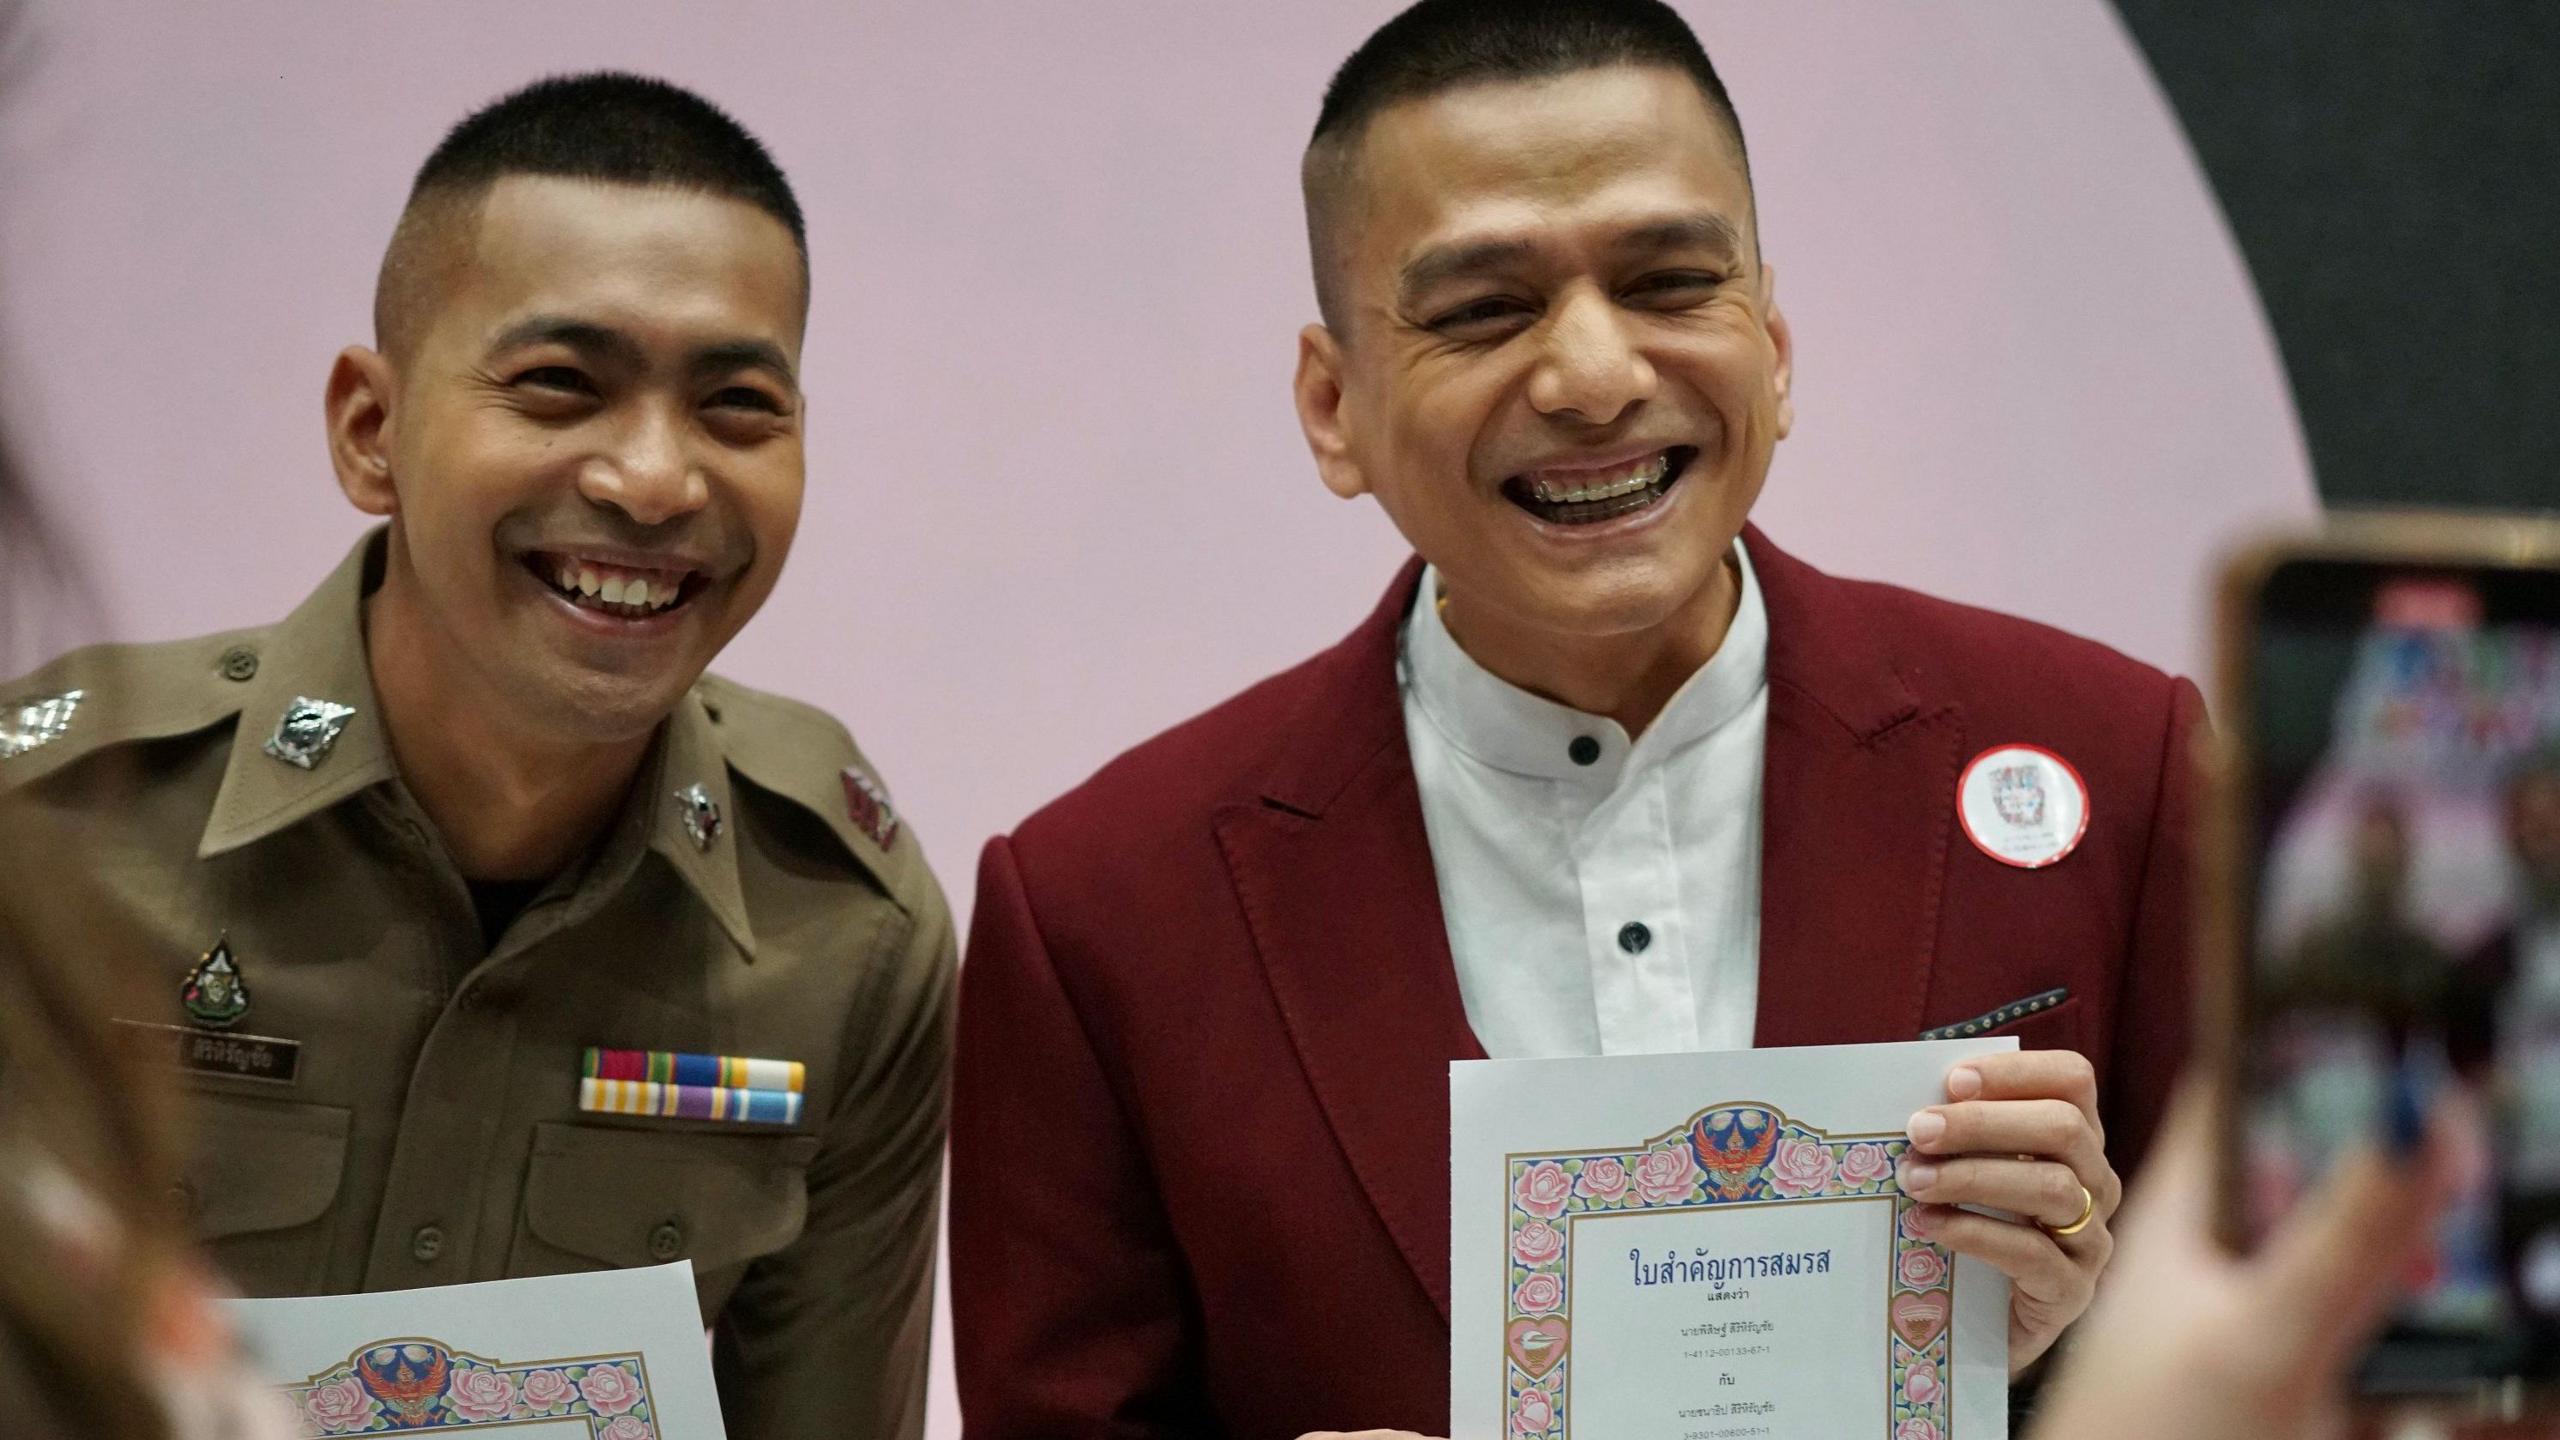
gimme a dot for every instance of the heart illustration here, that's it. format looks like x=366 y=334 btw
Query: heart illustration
x=1536 y=1345
x=1920 y=1316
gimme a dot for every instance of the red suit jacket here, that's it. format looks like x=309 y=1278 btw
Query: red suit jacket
x=1201 y=1122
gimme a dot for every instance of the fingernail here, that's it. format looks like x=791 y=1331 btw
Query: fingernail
x=1919 y=1176
x=1926 y=1127
x=1922 y=1220
x=1964 y=1083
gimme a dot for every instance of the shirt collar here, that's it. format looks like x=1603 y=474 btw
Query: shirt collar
x=685 y=808
x=1506 y=727
x=318 y=653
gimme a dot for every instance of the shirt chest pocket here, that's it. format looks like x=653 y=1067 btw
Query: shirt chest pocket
x=260 y=1188
x=598 y=1197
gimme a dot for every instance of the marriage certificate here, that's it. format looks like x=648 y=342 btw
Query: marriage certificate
x=607 y=1355
x=1711 y=1247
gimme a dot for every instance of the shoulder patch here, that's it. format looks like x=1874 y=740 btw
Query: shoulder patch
x=109 y=695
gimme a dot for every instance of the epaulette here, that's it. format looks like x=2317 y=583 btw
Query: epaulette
x=109 y=695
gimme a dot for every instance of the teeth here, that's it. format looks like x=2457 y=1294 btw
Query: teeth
x=1643 y=474
x=638 y=592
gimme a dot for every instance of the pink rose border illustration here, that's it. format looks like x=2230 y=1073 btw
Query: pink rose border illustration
x=1793 y=1162
x=609 y=1392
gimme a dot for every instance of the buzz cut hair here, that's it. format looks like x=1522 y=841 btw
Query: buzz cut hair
x=605 y=125
x=1436 y=46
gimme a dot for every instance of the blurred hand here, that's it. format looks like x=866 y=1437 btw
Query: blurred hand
x=2191 y=1341
x=2020 y=1134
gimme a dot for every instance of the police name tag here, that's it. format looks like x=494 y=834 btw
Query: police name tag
x=238 y=1057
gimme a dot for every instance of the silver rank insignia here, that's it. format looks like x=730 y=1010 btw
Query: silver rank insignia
x=215 y=996
x=308 y=729
x=701 y=815
x=33 y=724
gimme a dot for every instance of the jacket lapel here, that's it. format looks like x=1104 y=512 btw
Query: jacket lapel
x=1333 y=867
x=1858 y=808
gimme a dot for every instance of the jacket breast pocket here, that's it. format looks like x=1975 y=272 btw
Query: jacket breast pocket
x=260 y=1186
x=599 y=1197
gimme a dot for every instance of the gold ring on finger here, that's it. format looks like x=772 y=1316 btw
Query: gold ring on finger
x=2088 y=1211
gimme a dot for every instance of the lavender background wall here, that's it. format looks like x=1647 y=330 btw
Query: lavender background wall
x=1058 y=500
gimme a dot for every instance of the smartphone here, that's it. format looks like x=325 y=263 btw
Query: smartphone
x=2387 y=905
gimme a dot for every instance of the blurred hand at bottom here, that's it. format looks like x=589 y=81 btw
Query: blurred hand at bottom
x=2189 y=1340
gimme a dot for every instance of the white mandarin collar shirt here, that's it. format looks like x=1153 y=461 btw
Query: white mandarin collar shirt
x=1602 y=895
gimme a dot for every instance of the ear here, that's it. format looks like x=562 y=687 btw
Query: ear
x=1320 y=404
x=361 y=385
x=1783 y=340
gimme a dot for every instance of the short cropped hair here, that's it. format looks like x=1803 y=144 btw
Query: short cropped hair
x=1441 y=45
x=604 y=125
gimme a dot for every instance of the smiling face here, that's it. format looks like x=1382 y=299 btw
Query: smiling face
x=1559 y=370
x=590 y=450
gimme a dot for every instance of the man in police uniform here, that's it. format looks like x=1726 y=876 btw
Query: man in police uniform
x=495 y=937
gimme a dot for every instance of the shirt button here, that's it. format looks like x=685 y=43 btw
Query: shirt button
x=667 y=1241
x=426 y=1245
x=239 y=663
x=1584 y=750
x=1633 y=937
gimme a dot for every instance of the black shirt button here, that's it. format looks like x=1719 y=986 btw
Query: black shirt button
x=1584 y=750
x=1633 y=937
x=667 y=1241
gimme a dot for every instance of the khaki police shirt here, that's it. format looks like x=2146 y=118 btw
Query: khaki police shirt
x=398 y=1106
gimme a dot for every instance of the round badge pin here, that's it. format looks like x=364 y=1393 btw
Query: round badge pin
x=2023 y=805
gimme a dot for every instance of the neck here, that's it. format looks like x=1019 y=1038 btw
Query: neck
x=1628 y=677
x=510 y=803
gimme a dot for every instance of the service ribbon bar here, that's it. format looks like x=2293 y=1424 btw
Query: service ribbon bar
x=669 y=1067
x=689 y=1102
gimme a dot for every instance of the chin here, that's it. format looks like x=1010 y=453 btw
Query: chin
x=609 y=709
x=1620 y=600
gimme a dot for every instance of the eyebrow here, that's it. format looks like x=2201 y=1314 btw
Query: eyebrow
x=605 y=342
x=1702 y=230
x=1450 y=262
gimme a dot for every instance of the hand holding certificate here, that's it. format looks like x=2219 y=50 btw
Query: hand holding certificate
x=1715 y=1246
x=2022 y=1136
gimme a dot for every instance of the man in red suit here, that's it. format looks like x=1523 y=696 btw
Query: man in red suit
x=1605 y=772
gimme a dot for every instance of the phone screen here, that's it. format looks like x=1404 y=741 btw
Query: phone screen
x=2404 y=924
